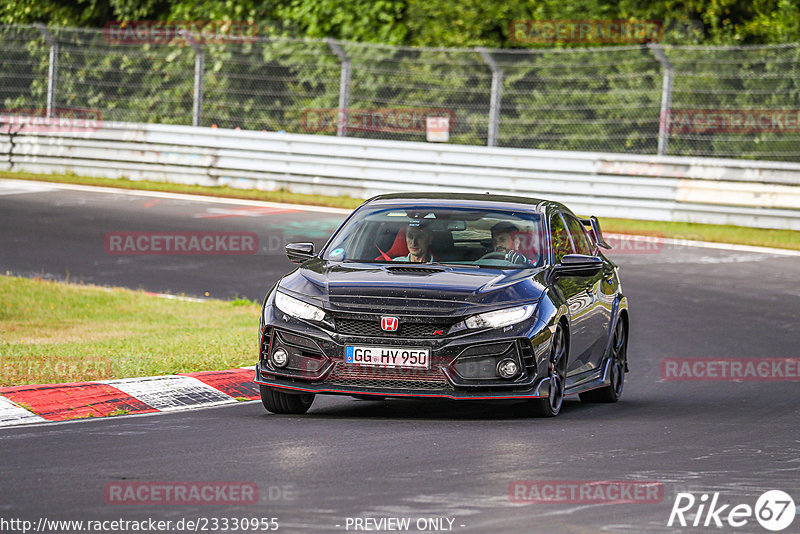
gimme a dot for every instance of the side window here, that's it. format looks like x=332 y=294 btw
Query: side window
x=559 y=236
x=579 y=237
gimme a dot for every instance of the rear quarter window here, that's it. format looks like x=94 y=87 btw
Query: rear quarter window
x=559 y=236
x=579 y=237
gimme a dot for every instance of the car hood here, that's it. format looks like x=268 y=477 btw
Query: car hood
x=429 y=290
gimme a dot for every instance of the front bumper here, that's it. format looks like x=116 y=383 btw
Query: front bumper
x=316 y=363
x=306 y=387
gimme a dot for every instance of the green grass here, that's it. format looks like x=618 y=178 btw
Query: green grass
x=53 y=332
x=717 y=233
x=788 y=239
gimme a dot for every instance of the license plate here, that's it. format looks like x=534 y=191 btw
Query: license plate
x=383 y=356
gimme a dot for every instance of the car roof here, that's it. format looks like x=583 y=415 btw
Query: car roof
x=466 y=199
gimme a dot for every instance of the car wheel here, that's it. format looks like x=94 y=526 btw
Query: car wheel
x=619 y=360
x=557 y=378
x=285 y=403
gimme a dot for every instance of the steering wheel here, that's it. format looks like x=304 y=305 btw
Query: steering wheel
x=493 y=256
x=511 y=256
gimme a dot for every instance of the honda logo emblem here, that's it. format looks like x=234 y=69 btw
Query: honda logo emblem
x=389 y=324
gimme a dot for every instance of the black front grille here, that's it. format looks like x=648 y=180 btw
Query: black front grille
x=528 y=357
x=386 y=378
x=372 y=328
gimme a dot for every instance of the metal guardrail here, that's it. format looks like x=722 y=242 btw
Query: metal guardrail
x=716 y=191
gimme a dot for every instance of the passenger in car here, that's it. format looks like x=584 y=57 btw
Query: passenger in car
x=418 y=240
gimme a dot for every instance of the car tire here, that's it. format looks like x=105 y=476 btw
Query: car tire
x=276 y=401
x=557 y=374
x=618 y=362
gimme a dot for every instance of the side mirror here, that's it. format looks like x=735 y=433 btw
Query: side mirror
x=579 y=265
x=594 y=230
x=299 y=252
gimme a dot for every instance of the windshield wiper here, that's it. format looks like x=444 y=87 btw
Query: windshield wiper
x=454 y=264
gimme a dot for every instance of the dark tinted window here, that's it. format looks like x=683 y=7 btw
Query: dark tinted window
x=560 y=237
x=446 y=234
x=579 y=237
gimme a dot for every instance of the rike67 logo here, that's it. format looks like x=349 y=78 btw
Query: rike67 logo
x=774 y=510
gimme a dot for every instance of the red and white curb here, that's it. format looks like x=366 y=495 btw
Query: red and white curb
x=40 y=403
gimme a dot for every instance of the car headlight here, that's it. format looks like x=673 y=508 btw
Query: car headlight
x=500 y=318
x=298 y=308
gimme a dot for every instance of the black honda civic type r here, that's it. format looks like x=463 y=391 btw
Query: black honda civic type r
x=458 y=296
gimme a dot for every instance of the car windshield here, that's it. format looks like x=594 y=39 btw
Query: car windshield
x=448 y=235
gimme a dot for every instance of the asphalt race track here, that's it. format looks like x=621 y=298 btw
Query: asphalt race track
x=353 y=458
x=60 y=234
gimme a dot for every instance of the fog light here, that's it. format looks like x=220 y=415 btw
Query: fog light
x=507 y=368
x=280 y=357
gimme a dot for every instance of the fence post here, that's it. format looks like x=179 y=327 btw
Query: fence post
x=199 y=76
x=52 y=70
x=497 y=93
x=666 y=98
x=344 y=87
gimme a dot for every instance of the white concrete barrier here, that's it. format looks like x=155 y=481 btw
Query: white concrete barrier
x=717 y=191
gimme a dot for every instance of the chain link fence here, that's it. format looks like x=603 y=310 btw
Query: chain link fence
x=740 y=102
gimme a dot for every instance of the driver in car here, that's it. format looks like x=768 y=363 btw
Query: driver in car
x=418 y=240
x=503 y=241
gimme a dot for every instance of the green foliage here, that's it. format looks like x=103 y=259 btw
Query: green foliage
x=55 y=12
x=429 y=22
x=355 y=20
x=596 y=99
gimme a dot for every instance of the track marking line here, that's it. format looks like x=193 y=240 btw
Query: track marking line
x=14 y=414
x=86 y=401
x=58 y=402
x=171 y=392
x=709 y=244
x=248 y=211
x=183 y=196
x=238 y=383
x=21 y=187
x=321 y=209
x=90 y=420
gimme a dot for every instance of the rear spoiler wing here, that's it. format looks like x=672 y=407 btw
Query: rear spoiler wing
x=594 y=230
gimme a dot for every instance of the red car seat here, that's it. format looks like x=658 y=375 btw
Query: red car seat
x=399 y=247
